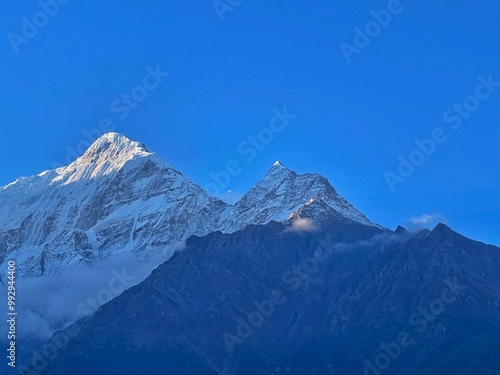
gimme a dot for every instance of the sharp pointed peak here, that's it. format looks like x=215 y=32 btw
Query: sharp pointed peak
x=442 y=228
x=400 y=230
x=443 y=231
x=278 y=169
x=279 y=166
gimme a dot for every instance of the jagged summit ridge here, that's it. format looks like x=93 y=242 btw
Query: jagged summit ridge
x=111 y=145
x=110 y=153
x=278 y=171
x=282 y=193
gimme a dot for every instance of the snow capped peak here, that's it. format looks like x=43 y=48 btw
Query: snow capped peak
x=108 y=154
x=279 y=166
x=114 y=144
x=282 y=191
x=278 y=172
x=119 y=196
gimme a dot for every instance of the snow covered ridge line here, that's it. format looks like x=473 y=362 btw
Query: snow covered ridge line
x=122 y=107
x=249 y=148
x=119 y=197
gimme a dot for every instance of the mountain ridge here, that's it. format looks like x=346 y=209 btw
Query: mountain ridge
x=267 y=300
x=119 y=196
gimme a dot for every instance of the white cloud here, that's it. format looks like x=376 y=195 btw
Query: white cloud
x=425 y=221
x=303 y=225
x=49 y=303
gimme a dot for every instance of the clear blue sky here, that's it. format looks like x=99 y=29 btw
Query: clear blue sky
x=353 y=119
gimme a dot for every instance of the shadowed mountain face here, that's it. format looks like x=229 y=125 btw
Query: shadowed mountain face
x=330 y=297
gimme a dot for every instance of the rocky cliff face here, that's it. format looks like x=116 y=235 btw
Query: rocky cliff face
x=120 y=197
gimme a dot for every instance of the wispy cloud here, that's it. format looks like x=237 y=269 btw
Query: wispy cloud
x=303 y=225
x=425 y=221
x=50 y=303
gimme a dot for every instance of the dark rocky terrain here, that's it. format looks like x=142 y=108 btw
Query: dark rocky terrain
x=326 y=297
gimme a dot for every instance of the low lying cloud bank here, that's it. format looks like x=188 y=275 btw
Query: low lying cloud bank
x=50 y=303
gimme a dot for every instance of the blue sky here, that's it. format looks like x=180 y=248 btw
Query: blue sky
x=418 y=68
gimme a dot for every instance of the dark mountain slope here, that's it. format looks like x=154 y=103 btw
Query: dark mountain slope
x=332 y=297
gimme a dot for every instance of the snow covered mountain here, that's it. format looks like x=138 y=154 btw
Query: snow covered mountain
x=282 y=192
x=121 y=197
